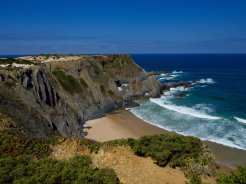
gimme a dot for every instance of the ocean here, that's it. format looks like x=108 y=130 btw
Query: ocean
x=213 y=108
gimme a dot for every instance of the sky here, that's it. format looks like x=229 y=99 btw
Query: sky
x=122 y=26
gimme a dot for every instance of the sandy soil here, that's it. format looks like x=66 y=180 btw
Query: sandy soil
x=123 y=124
x=130 y=169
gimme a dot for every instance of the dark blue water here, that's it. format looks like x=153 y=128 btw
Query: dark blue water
x=12 y=56
x=214 y=107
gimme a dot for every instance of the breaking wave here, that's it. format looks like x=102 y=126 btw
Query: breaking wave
x=177 y=72
x=206 y=81
x=240 y=120
x=184 y=110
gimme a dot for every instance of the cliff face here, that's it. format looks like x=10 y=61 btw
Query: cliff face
x=57 y=94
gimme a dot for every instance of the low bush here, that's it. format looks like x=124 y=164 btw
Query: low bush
x=13 y=60
x=68 y=82
x=236 y=177
x=76 y=170
x=25 y=160
x=195 y=179
x=95 y=146
x=14 y=145
x=92 y=145
x=169 y=149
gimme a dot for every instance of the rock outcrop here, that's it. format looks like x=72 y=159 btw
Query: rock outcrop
x=57 y=94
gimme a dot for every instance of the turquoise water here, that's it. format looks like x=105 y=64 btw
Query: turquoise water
x=214 y=107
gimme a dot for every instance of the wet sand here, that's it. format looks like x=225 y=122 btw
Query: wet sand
x=124 y=124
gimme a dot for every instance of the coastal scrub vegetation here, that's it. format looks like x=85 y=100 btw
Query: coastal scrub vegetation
x=13 y=60
x=75 y=170
x=14 y=145
x=169 y=149
x=236 y=177
x=24 y=160
x=68 y=82
x=28 y=160
x=165 y=149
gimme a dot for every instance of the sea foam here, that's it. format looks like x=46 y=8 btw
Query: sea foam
x=206 y=81
x=177 y=72
x=240 y=120
x=179 y=88
x=184 y=110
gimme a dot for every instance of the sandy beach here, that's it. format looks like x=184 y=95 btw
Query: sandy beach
x=124 y=124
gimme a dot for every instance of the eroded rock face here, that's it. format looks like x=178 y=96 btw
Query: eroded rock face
x=62 y=95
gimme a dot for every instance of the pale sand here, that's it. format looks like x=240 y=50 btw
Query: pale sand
x=124 y=124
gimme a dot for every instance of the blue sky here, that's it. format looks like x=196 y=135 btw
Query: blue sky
x=122 y=26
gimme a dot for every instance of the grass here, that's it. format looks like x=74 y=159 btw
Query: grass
x=68 y=82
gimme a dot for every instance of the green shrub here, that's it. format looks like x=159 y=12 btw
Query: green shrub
x=92 y=145
x=76 y=170
x=80 y=161
x=95 y=146
x=19 y=146
x=68 y=82
x=196 y=180
x=13 y=60
x=121 y=142
x=236 y=177
x=168 y=149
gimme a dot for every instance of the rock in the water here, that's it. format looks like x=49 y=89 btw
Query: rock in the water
x=181 y=95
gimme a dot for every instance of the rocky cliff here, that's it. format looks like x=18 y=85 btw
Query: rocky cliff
x=49 y=94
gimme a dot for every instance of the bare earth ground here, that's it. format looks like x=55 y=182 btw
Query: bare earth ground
x=130 y=169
